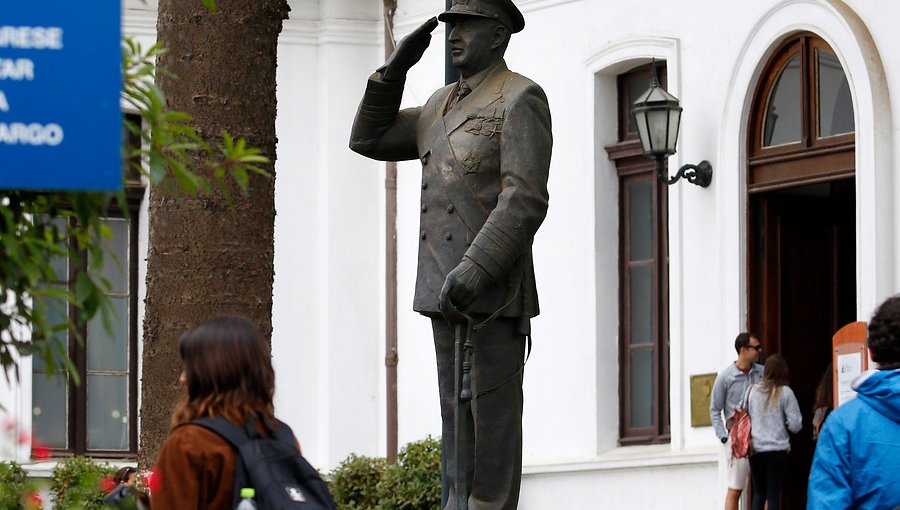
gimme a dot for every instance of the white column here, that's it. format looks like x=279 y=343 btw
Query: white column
x=328 y=295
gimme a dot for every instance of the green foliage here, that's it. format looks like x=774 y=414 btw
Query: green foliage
x=14 y=486
x=30 y=245
x=354 y=482
x=211 y=5
x=413 y=483
x=79 y=483
x=33 y=319
x=170 y=143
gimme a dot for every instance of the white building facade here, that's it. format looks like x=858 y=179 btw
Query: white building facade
x=642 y=285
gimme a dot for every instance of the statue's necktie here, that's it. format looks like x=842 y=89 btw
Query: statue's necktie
x=462 y=90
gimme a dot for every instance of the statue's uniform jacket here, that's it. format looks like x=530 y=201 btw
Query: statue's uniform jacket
x=485 y=163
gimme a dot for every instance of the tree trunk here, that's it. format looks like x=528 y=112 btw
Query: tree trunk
x=208 y=257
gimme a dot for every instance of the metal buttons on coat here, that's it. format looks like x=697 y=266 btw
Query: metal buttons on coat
x=450 y=209
x=449 y=236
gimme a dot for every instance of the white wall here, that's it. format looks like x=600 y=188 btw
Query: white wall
x=419 y=410
x=571 y=48
x=648 y=484
x=328 y=297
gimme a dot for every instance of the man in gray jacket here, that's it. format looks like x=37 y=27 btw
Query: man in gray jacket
x=728 y=392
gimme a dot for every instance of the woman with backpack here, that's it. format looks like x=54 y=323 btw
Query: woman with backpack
x=774 y=413
x=230 y=384
x=227 y=372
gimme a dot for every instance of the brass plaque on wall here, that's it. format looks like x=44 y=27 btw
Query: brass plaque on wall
x=701 y=392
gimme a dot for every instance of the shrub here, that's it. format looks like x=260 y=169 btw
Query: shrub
x=12 y=485
x=81 y=483
x=414 y=482
x=353 y=483
x=15 y=489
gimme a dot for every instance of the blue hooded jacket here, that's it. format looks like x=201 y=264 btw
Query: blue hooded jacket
x=857 y=461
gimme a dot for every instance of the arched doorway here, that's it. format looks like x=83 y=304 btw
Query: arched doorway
x=801 y=221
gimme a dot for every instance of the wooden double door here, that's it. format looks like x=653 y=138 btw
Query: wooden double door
x=802 y=288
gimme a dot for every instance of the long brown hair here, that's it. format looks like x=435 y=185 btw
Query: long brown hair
x=228 y=372
x=775 y=376
x=824 y=391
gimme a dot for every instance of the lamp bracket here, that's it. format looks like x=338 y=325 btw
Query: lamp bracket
x=699 y=174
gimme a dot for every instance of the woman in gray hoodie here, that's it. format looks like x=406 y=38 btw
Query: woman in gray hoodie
x=773 y=412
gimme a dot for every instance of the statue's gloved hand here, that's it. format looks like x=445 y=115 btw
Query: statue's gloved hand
x=408 y=51
x=463 y=285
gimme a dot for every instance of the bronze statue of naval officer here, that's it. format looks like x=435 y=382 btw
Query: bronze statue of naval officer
x=484 y=143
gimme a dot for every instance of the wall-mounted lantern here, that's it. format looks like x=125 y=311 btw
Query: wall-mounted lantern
x=657 y=115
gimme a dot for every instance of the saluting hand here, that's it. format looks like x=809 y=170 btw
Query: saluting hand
x=409 y=51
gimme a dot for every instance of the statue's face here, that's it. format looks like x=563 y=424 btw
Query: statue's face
x=470 y=40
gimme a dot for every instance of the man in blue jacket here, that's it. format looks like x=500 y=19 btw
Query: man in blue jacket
x=857 y=461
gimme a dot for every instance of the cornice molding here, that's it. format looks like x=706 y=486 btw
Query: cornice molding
x=142 y=22
x=622 y=458
x=331 y=31
x=630 y=48
x=536 y=5
x=299 y=32
x=139 y=23
x=408 y=19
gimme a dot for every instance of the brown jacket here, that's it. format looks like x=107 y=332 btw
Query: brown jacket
x=485 y=164
x=196 y=470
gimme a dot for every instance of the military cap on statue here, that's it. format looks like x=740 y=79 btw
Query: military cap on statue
x=503 y=11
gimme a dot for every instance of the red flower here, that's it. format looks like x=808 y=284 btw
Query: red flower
x=152 y=480
x=107 y=484
x=34 y=501
x=24 y=437
x=39 y=450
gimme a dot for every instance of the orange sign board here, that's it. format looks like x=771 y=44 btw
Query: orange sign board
x=850 y=357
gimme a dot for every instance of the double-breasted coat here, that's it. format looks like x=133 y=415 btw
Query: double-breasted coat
x=485 y=164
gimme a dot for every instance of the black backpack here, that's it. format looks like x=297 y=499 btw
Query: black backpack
x=281 y=477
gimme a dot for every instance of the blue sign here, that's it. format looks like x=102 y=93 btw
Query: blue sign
x=60 y=86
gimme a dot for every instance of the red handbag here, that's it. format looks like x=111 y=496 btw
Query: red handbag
x=741 y=443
